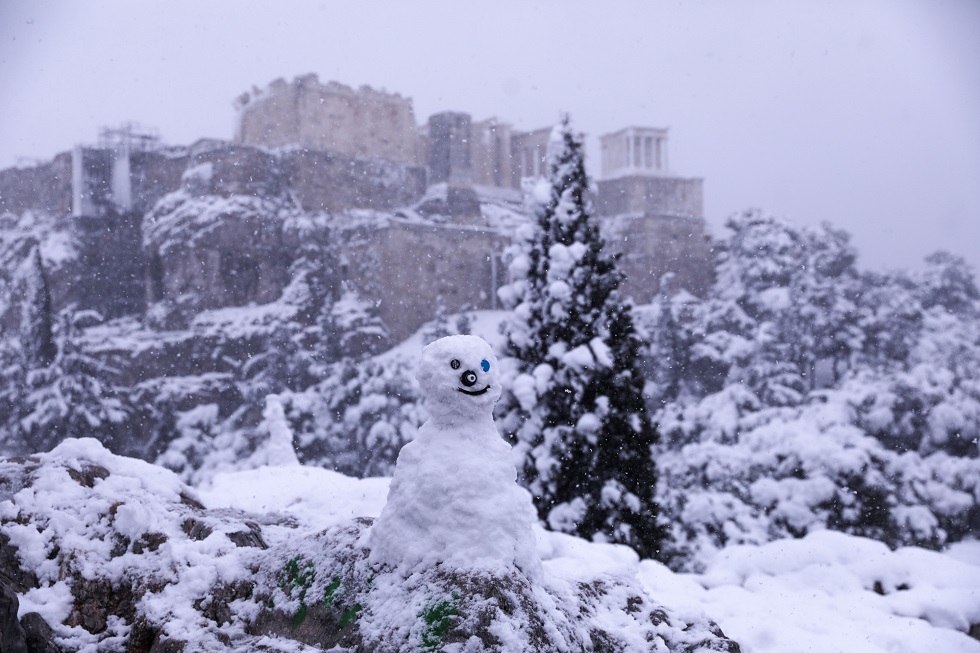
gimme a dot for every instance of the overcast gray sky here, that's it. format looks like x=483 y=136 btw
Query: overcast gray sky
x=864 y=113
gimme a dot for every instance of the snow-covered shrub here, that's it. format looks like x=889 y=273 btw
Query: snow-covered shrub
x=732 y=473
x=359 y=329
x=74 y=395
x=802 y=394
x=358 y=417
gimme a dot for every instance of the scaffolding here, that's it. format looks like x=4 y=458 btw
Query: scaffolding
x=131 y=137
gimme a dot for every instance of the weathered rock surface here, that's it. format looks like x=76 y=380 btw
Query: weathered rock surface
x=111 y=553
x=12 y=637
x=322 y=592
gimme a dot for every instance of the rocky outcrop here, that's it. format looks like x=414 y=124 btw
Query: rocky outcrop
x=12 y=636
x=115 y=554
x=210 y=252
x=323 y=592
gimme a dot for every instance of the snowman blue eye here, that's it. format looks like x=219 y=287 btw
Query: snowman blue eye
x=485 y=364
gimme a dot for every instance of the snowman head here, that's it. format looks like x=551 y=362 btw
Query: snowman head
x=459 y=378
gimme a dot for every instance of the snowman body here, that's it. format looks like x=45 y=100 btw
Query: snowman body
x=454 y=499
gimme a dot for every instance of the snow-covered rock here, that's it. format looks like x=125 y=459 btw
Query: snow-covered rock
x=327 y=593
x=113 y=552
x=106 y=553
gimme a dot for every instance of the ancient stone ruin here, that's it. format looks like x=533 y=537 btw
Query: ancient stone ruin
x=420 y=214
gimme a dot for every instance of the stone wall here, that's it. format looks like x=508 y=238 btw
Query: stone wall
x=491 y=159
x=654 y=246
x=449 y=140
x=412 y=270
x=461 y=151
x=362 y=123
x=637 y=194
x=241 y=170
x=528 y=153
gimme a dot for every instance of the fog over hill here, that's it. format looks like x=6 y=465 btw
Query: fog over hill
x=864 y=115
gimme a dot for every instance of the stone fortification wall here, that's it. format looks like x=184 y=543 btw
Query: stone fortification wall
x=529 y=152
x=657 y=224
x=328 y=147
x=653 y=246
x=461 y=151
x=492 y=161
x=235 y=169
x=362 y=123
x=44 y=187
x=449 y=153
x=320 y=180
x=672 y=196
x=415 y=270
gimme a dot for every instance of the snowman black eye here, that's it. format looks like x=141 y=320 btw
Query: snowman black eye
x=454 y=363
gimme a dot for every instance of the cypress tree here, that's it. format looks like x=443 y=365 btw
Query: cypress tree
x=577 y=409
x=74 y=397
x=36 y=330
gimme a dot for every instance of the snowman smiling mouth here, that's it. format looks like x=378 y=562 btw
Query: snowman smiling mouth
x=474 y=393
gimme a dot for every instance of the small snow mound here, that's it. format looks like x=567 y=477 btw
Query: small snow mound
x=279 y=448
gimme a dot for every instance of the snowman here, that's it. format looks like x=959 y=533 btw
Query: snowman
x=454 y=499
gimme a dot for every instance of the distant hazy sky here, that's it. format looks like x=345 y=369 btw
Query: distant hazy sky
x=864 y=113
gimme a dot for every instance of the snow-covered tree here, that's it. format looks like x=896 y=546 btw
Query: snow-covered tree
x=890 y=317
x=314 y=289
x=924 y=395
x=12 y=377
x=359 y=329
x=782 y=315
x=281 y=365
x=815 y=396
x=576 y=409
x=312 y=275
x=441 y=326
x=669 y=341
x=827 y=295
x=358 y=417
x=36 y=330
x=948 y=281
x=74 y=397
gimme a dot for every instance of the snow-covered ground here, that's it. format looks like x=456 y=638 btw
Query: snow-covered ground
x=827 y=592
